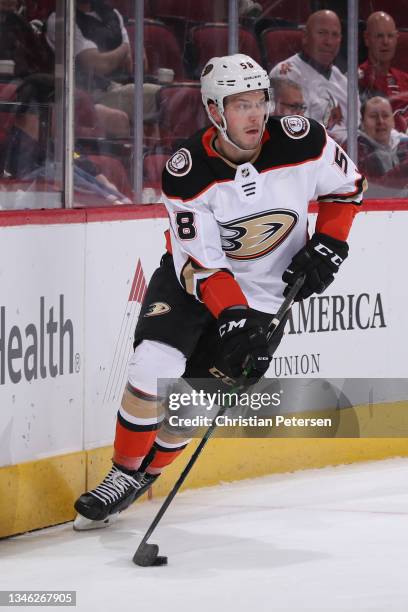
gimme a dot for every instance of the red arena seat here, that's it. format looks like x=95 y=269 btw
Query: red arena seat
x=400 y=60
x=396 y=8
x=211 y=40
x=190 y=10
x=125 y=8
x=153 y=164
x=162 y=48
x=280 y=44
x=181 y=112
x=289 y=10
x=86 y=120
x=7 y=110
x=39 y=9
x=181 y=15
x=114 y=171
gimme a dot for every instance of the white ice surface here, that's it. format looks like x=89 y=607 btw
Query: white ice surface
x=332 y=540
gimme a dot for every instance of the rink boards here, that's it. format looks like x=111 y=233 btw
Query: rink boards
x=72 y=283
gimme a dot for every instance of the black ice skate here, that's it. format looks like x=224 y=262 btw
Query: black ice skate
x=101 y=506
x=146 y=480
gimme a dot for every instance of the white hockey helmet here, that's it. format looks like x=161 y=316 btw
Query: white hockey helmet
x=229 y=75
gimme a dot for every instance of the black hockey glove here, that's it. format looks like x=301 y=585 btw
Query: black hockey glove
x=242 y=344
x=319 y=260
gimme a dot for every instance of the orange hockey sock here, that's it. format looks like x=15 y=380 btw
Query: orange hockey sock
x=165 y=453
x=138 y=420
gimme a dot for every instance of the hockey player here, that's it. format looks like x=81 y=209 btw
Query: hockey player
x=237 y=197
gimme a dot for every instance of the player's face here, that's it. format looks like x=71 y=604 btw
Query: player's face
x=322 y=39
x=245 y=114
x=381 y=39
x=378 y=120
x=290 y=102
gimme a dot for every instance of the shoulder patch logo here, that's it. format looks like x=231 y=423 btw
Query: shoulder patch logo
x=157 y=308
x=180 y=163
x=295 y=126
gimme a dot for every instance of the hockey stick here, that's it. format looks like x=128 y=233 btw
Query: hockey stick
x=146 y=554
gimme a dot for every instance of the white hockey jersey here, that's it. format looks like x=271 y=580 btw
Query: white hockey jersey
x=251 y=219
x=325 y=94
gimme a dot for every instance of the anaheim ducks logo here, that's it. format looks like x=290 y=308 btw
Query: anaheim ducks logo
x=156 y=309
x=257 y=235
x=207 y=69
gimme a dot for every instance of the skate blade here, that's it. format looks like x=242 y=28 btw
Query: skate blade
x=84 y=524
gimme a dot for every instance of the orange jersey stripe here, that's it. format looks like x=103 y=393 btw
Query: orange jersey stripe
x=221 y=291
x=335 y=219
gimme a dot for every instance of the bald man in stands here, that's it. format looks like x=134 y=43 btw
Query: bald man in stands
x=377 y=75
x=324 y=85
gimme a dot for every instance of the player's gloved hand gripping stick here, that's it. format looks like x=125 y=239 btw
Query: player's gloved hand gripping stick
x=148 y=554
x=318 y=261
x=243 y=345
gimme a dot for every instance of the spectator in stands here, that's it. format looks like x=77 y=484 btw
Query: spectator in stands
x=249 y=9
x=31 y=54
x=28 y=154
x=20 y=43
x=113 y=122
x=382 y=150
x=377 y=74
x=324 y=86
x=288 y=97
x=103 y=56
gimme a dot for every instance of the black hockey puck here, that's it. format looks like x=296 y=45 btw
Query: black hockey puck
x=160 y=561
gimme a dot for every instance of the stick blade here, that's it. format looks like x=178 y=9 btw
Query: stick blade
x=147 y=555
